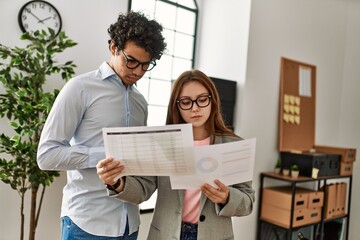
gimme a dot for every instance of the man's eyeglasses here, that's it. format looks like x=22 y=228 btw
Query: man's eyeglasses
x=187 y=103
x=132 y=63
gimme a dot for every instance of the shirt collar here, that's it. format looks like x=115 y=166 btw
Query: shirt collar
x=107 y=72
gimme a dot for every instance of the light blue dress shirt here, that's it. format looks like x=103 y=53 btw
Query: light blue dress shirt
x=72 y=140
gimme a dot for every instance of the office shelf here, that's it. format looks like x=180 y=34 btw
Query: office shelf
x=293 y=182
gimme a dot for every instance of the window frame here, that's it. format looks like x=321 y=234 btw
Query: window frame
x=174 y=70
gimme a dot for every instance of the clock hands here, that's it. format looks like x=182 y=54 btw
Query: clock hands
x=34 y=16
x=42 y=21
x=39 y=20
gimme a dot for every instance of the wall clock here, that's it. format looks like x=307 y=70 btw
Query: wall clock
x=38 y=15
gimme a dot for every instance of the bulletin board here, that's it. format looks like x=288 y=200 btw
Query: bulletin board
x=297 y=105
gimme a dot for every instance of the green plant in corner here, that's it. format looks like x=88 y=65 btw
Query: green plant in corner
x=23 y=73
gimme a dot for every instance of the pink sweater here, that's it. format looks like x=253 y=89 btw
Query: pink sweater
x=192 y=196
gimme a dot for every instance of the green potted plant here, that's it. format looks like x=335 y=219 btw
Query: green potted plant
x=25 y=105
x=294 y=170
x=277 y=168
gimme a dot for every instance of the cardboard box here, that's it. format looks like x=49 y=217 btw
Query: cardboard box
x=315 y=199
x=281 y=197
x=281 y=216
x=346 y=168
x=347 y=154
x=313 y=215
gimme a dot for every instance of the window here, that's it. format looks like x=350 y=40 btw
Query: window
x=179 y=20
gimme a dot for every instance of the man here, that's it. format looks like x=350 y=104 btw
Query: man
x=72 y=136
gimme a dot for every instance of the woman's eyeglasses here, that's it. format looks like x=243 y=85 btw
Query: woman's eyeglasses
x=187 y=103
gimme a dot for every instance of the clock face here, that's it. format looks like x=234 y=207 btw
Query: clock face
x=39 y=15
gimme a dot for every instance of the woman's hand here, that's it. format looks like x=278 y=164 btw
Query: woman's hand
x=219 y=195
x=108 y=170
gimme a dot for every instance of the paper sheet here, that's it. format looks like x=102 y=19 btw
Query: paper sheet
x=304 y=81
x=169 y=151
x=229 y=162
x=151 y=151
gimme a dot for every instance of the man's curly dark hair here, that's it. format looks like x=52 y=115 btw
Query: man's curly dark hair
x=139 y=29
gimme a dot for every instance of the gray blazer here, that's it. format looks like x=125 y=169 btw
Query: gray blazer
x=214 y=219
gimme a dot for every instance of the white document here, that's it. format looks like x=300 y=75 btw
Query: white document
x=151 y=151
x=229 y=162
x=304 y=81
x=169 y=151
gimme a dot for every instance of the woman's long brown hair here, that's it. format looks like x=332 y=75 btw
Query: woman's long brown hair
x=215 y=124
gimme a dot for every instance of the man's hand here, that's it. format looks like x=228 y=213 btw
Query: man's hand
x=108 y=170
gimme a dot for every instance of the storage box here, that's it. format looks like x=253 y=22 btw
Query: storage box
x=281 y=197
x=347 y=157
x=347 y=154
x=346 y=168
x=281 y=216
x=313 y=215
x=315 y=199
x=297 y=123
x=326 y=164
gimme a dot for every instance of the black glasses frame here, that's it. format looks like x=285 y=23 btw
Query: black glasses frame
x=150 y=64
x=194 y=101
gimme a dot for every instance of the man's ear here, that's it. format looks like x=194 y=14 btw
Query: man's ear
x=113 y=48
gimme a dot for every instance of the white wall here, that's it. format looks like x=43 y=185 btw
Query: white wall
x=349 y=129
x=324 y=33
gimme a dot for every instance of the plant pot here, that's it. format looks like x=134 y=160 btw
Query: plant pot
x=277 y=170
x=286 y=172
x=294 y=174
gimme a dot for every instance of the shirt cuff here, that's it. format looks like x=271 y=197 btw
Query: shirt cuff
x=95 y=155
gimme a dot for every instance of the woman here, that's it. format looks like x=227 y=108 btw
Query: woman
x=189 y=214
